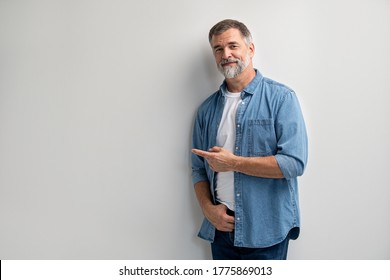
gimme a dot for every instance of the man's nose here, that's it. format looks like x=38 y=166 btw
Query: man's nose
x=226 y=54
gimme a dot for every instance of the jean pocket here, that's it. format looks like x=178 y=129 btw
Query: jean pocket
x=262 y=137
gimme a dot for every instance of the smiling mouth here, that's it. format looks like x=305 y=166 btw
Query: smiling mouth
x=230 y=63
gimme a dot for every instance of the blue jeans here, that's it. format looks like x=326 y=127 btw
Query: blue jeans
x=223 y=249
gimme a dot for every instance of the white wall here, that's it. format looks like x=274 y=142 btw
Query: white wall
x=97 y=100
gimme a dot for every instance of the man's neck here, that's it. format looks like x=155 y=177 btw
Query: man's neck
x=237 y=84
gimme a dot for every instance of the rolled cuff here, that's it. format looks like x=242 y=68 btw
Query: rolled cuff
x=199 y=176
x=290 y=167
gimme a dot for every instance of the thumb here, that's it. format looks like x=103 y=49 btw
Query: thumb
x=215 y=149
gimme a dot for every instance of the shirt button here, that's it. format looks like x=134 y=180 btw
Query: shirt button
x=236 y=148
x=238 y=218
x=238 y=194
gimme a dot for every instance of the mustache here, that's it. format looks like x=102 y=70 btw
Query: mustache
x=225 y=61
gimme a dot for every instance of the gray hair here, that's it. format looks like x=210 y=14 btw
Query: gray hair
x=226 y=24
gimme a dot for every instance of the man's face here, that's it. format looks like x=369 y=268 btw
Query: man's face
x=231 y=53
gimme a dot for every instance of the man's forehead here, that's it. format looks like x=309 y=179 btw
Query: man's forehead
x=230 y=36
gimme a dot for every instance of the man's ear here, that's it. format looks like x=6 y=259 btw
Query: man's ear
x=252 y=49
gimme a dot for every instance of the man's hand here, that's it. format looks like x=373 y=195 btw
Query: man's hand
x=216 y=214
x=219 y=159
x=222 y=160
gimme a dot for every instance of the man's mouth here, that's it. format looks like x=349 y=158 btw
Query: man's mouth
x=228 y=63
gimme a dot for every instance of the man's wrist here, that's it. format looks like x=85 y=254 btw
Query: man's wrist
x=237 y=160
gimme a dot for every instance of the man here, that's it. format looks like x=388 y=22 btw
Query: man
x=249 y=147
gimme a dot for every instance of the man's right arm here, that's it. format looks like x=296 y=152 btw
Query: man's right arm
x=216 y=214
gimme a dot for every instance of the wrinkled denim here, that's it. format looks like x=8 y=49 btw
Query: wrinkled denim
x=269 y=122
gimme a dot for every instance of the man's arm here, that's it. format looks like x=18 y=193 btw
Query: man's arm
x=221 y=160
x=216 y=214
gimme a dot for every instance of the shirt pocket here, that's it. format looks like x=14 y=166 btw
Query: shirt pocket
x=261 y=137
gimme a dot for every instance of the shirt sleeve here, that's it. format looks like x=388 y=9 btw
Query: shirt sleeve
x=292 y=146
x=198 y=164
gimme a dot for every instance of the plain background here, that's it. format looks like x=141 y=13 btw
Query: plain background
x=97 y=100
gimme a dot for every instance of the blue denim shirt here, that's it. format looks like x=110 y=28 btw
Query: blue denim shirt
x=269 y=122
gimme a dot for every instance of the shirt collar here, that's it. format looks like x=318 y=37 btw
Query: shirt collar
x=249 y=89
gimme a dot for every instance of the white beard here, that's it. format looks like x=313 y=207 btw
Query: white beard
x=233 y=71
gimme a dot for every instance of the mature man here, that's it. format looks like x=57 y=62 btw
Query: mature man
x=249 y=147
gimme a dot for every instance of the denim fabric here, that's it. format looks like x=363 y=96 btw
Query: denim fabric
x=223 y=249
x=269 y=122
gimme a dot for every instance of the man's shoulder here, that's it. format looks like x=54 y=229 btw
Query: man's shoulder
x=277 y=86
x=209 y=101
x=269 y=87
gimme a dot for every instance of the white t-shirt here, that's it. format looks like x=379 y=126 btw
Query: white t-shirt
x=226 y=138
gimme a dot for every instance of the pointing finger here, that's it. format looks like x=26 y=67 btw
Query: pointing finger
x=200 y=152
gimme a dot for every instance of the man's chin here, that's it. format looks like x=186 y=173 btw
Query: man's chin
x=229 y=74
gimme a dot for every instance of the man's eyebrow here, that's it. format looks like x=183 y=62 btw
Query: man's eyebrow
x=229 y=43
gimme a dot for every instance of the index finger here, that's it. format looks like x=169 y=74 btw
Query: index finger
x=200 y=152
